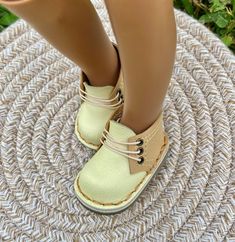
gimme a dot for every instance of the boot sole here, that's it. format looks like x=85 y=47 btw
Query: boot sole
x=112 y=209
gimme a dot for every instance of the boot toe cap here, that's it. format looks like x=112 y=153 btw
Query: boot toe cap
x=109 y=182
x=96 y=189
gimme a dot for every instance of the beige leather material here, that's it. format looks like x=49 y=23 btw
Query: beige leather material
x=105 y=177
x=92 y=117
x=154 y=141
x=106 y=183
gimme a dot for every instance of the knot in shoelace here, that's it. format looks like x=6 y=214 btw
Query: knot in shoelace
x=110 y=143
x=102 y=102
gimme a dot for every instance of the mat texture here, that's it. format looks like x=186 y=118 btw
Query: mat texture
x=192 y=196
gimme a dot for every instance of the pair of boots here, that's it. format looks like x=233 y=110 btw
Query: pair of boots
x=124 y=161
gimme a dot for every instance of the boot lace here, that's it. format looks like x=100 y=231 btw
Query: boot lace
x=110 y=143
x=102 y=102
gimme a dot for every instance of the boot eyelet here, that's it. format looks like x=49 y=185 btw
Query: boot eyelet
x=141 y=150
x=141 y=160
x=119 y=92
x=141 y=141
x=120 y=96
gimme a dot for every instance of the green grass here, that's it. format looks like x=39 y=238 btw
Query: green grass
x=217 y=15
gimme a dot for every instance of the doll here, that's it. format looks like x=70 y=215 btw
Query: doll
x=122 y=87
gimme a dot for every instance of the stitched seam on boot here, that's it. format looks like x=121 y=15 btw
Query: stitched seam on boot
x=119 y=202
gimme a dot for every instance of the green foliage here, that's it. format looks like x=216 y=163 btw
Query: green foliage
x=217 y=15
x=6 y=18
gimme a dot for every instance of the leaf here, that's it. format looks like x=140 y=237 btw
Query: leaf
x=188 y=6
x=221 y=19
x=217 y=6
x=8 y=19
x=207 y=18
x=227 y=40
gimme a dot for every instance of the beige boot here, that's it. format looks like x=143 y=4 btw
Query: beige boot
x=98 y=104
x=122 y=166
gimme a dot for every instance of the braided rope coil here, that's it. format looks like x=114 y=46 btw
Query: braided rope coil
x=192 y=196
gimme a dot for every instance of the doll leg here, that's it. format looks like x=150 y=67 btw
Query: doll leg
x=75 y=29
x=146 y=34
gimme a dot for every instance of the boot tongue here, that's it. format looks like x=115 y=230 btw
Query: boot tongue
x=119 y=131
x=98 y=91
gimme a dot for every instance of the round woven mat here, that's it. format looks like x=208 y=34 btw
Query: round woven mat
x=192 y=196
